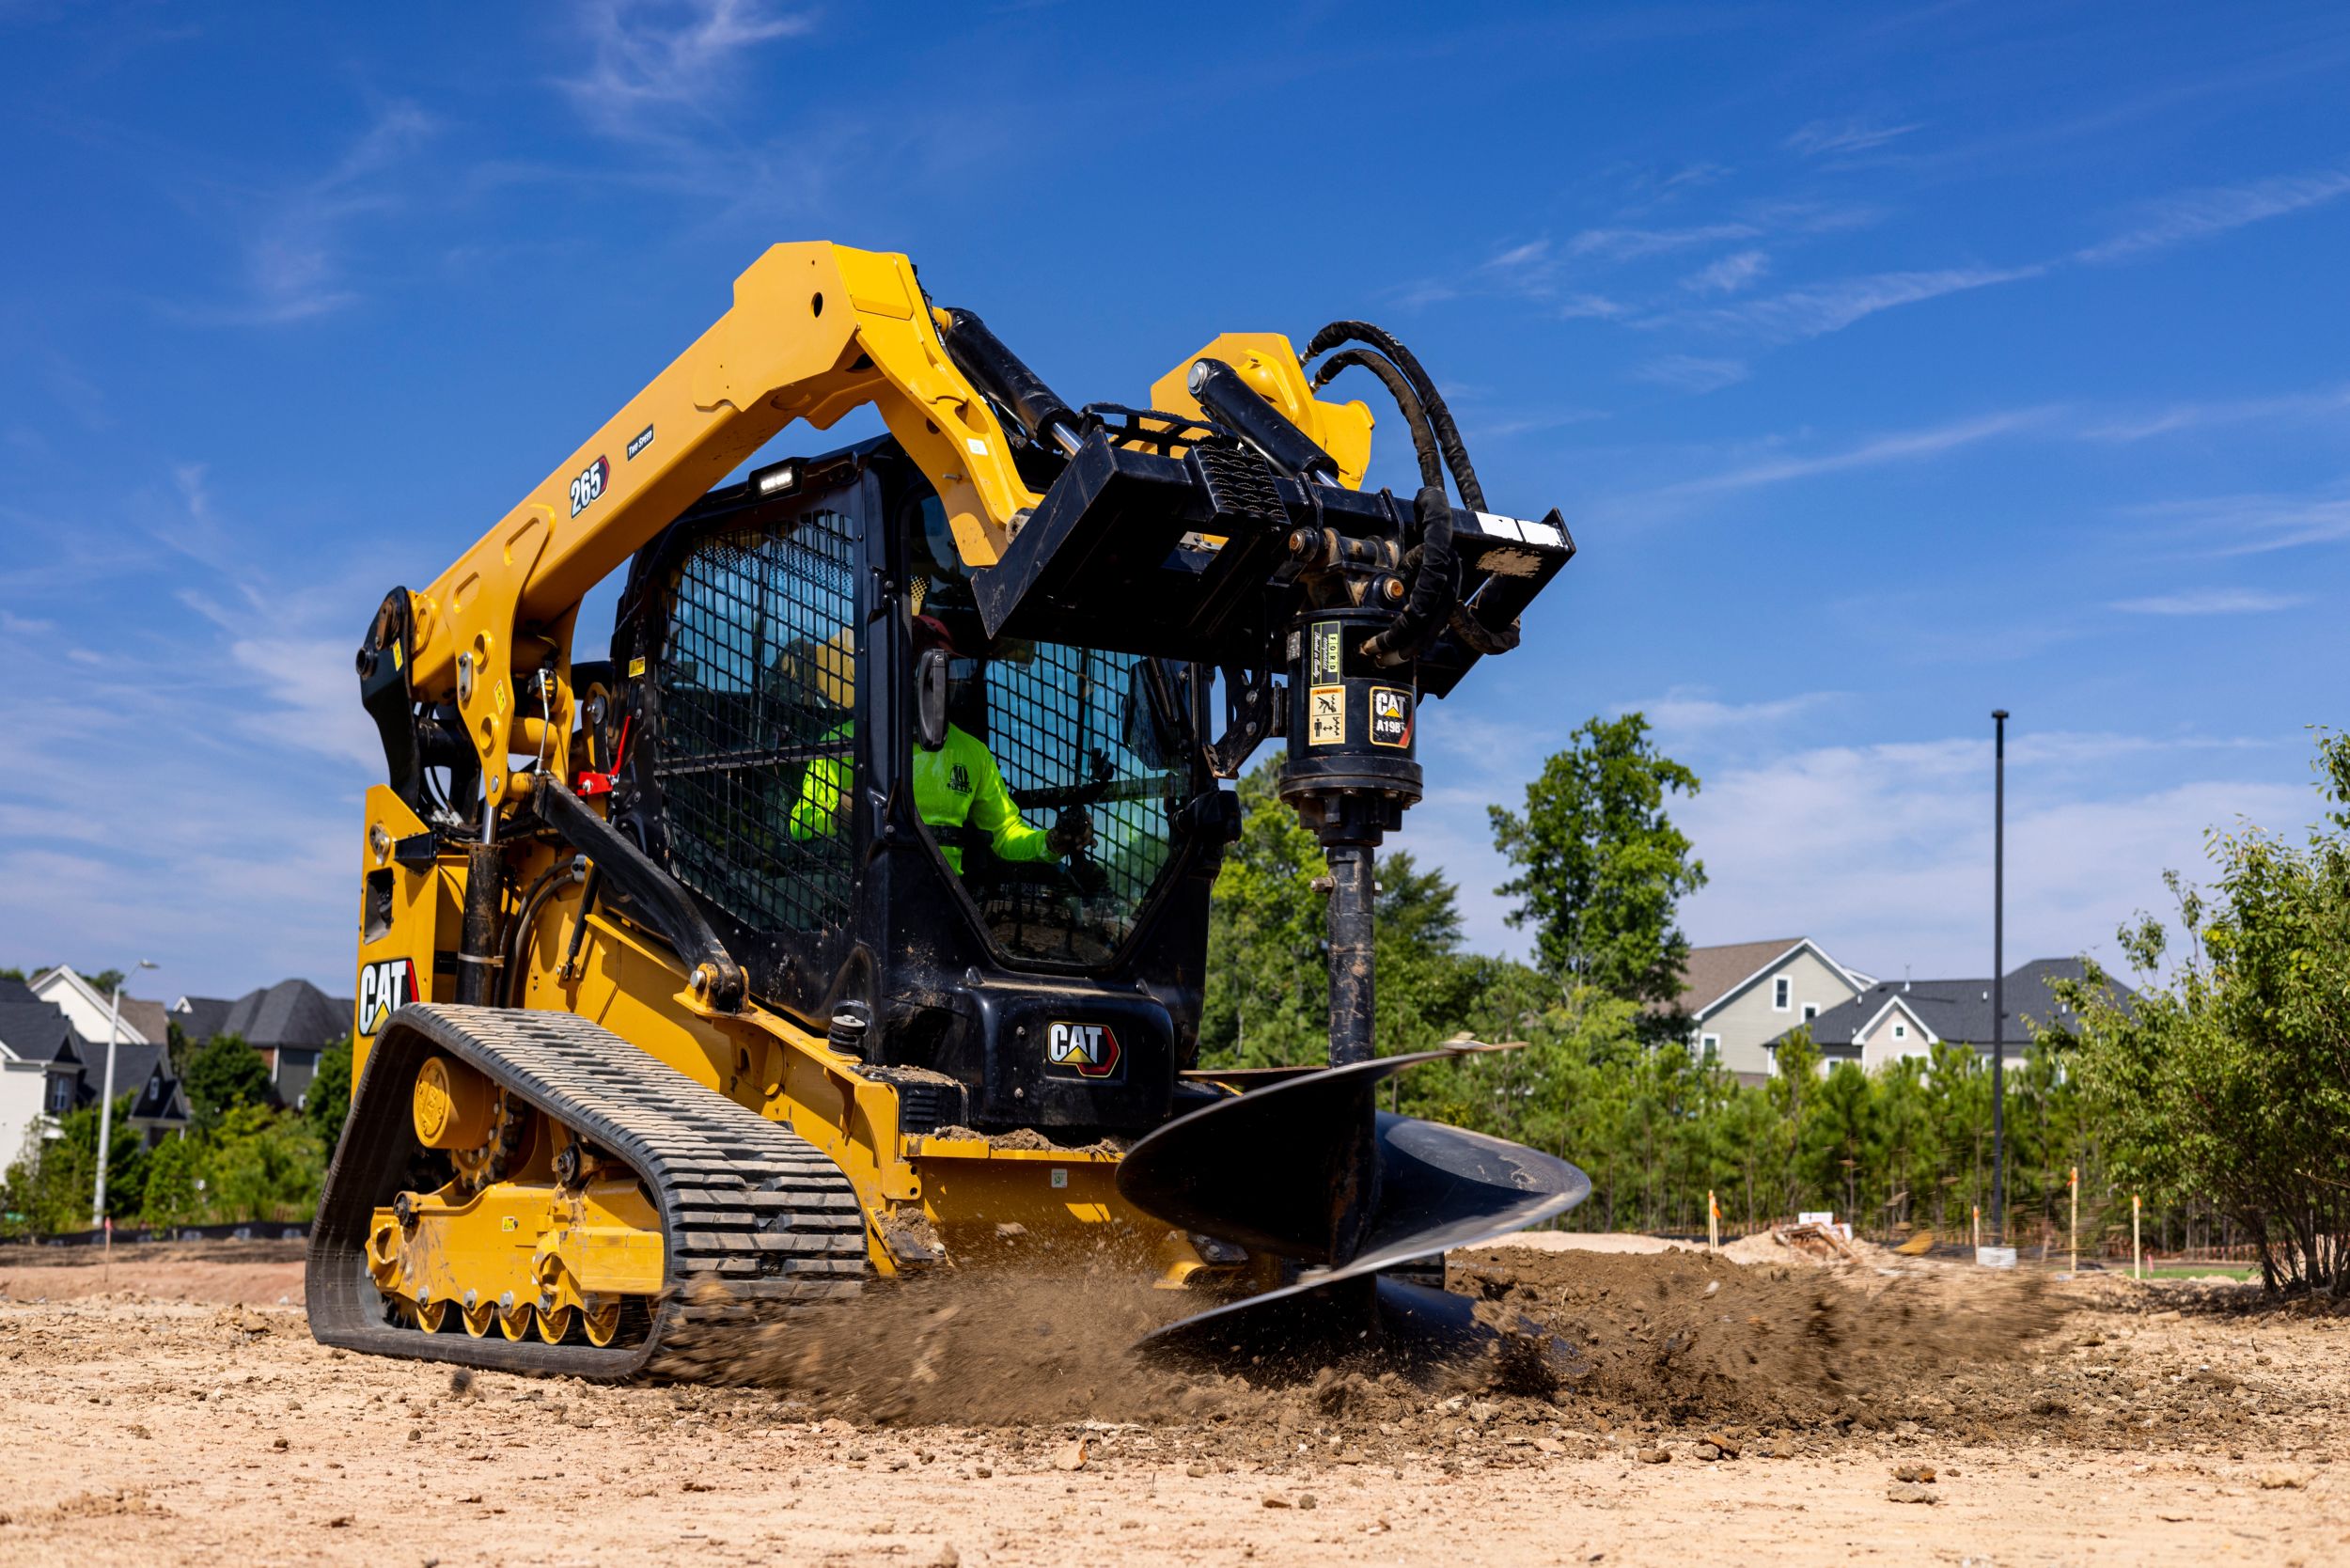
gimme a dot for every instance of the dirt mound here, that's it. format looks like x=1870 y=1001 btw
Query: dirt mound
x=1595 y=1337
x=966 y=1348
x=1683 y=1335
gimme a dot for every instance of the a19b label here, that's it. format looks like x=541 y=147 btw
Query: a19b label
x=1390 y=716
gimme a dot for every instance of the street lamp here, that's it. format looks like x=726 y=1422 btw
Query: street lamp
x=1999 y=977
x=106 y=1103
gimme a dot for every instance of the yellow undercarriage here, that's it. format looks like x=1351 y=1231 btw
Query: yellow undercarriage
x=492 y=1244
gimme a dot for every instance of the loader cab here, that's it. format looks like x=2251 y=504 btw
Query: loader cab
x=775 y=766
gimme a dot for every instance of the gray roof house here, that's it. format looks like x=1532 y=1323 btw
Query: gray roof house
x=40 y=1066
x=1738 y=997
x=289 y=1023
x=1893 y=1019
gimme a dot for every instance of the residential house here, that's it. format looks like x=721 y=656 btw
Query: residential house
x=47 y=1069
x=291 y=1023
x=40 y=1066
x=1893 y=1019
x=142 y=1066
x=1741 y=995
x=142 y=1023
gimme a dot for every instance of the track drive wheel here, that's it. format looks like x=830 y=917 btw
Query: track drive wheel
x=602 y=1324
x=479 y=1319
x=555 y=1323
x=427 y=1317
x=514 y=1321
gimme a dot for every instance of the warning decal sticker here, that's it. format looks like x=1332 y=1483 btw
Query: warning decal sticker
x=1326 y=716
x=1390 y=716
x=1325 y=652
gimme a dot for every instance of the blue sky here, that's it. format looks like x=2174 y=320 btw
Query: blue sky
x=1891 y=363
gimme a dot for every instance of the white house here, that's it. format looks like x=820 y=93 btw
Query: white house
x=1741 y=995
x=1894 y=1019
x=39 y=1067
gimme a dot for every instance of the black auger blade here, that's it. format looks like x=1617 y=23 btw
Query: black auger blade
x=1309 y=1170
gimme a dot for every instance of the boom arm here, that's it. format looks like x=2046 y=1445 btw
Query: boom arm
x=816 y=331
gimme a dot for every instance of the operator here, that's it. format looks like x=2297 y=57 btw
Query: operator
x=958 y=785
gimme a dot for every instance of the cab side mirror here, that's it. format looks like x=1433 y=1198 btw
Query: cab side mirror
x=930 y=698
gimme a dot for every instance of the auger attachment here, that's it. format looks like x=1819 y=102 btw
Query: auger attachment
x=1309 y=1170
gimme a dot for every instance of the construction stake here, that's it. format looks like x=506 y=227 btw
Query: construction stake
x=1975 y=1234
x=1713 y=1222
x=2138 y=1259
x=2073 y=1236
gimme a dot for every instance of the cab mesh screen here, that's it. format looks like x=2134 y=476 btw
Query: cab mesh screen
x=756 y=755
x=1073 y=731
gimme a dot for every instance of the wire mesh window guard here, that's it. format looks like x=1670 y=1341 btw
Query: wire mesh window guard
x=1073 y=730
x=758 y=758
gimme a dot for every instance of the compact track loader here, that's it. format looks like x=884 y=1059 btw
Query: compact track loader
x=853 y=915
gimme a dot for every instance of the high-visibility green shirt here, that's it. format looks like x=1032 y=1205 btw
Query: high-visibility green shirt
x=956 y=786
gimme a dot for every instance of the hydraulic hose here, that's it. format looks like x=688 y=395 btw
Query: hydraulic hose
x=1435 y=583
x=1439 y=416
x=517 y=944
x=1399 y=388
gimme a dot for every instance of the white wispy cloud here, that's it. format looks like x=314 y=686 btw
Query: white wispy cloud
x=1876 y=451
x=2212 y=602
x=1729 y=274
x=1688 y=372
x=294 y=241
x=1630 y=245
x=1824 y=137
x=2253 y=523
x=1687 y=714
x=1883 y=850
x=2231 y=411
x=2193 y=214
x=1816 y=309
x=651 y=59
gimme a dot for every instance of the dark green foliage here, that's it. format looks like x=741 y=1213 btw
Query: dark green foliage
x=224 y=1074
x=1600 y=866
x=328 y=1101
x=1269 y=961
x=2229 y=1085
x=47 y=1187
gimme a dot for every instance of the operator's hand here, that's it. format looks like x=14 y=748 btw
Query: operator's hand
x=1070 y=834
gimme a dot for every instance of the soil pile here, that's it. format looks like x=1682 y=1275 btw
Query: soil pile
x=1683 y=1335
x=1593 y=1339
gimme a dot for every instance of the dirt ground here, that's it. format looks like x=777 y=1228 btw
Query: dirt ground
x=1665 y=1407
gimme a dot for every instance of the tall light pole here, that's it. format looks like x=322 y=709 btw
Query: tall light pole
x=1999 y=977
x=107 y=1102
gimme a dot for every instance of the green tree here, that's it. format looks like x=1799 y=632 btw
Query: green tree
x=175 y=1183
x=1601 y=868
x=328 y=1101
x=2229 y=1085
x=264 y=1164
x=52 y=1178
x=1268 y=990
x=224 y=1074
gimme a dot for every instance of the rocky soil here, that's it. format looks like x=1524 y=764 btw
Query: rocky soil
x=1667 y=1407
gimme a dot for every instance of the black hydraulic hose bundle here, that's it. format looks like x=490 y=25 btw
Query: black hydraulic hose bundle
x=1436 y=578
x=1439 y=416
x=1399 y=388
x=1435 y=594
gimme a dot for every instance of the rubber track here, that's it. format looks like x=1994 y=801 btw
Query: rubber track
x=756 y=1221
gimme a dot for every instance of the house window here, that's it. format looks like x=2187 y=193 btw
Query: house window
x=60 y=1094
x=1782 y=991
x=1709 y=1046
x=1900 y=1032
x=1811 y=1010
